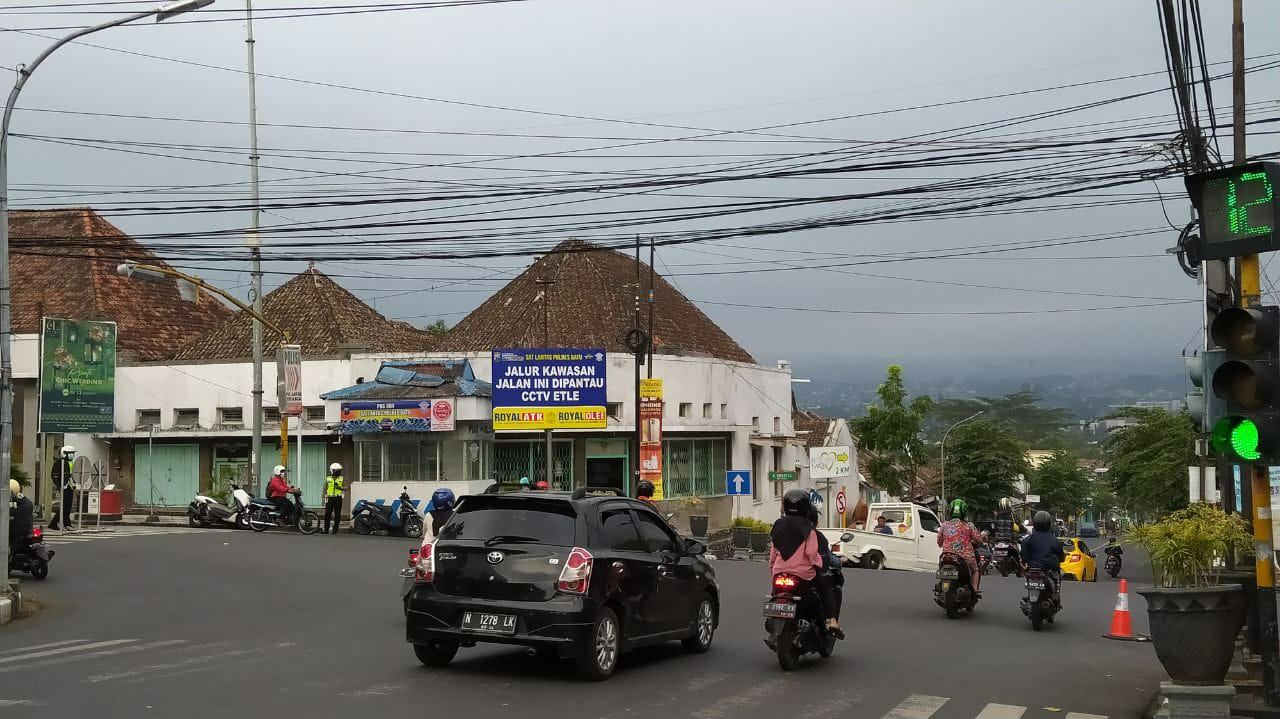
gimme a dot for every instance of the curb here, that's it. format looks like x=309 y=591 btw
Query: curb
x=10 y=605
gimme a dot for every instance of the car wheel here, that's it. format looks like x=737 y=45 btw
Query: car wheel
x=436 y=653
x=704 y=627
x=601 y=657
x=873 y=560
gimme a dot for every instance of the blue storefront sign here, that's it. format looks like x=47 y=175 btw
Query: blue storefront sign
x=549 y=389
x=417 y=415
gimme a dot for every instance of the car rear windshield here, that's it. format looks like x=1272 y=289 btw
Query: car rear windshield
x=512 y=520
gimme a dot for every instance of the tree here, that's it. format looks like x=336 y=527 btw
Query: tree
x=983 y=461
x=1147 y=461
x=1019 y=412
x=1065 y=488
x=891 y=433
x=438 y=327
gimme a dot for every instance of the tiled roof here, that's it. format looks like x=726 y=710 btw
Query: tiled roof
x=319 y=315
x=63 y=264
x=409 y=380
x=591 y=304
x=815 y=425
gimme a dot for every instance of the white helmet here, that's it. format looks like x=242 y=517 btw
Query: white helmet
x=68 y=449
x=15 y=489
x=335 y=467
x=280 y=469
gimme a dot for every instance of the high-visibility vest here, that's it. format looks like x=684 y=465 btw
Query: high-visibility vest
x=333 y=486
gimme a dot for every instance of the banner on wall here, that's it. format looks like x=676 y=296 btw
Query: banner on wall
x=416 y=415
x=537 y=389
x=77 y=376
x=651 y=443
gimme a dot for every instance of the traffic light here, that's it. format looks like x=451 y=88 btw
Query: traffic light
x=1204 y=407
x=1238 y=210
x=1247 y=382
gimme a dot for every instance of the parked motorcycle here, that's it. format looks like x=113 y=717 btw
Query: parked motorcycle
x=794 y=623
x=954 y=590
x=400 y=517
x=263 y=514
x=30 y=554
x=1112 y=565
x=205 y=511
x=1007 y=558
x=1041 y=601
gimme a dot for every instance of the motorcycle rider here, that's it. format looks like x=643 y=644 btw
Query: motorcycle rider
x=21 y=515
x=795 y=551
x=644 y=493
x=956 y=536
x=63 y=483
x=333 y=491
x=441 y=508
x=1043 y=550
x=278 y=491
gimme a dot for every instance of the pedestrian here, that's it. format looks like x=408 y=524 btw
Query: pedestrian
x=333 y=491
x=63 y=484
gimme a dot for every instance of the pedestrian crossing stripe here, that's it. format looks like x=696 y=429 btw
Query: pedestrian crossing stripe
x=924 y=706
x=93 y=536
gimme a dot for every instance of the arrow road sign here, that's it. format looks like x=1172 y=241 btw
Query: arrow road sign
x=737 y=481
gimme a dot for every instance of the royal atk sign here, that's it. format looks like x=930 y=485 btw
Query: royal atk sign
x=536 y=389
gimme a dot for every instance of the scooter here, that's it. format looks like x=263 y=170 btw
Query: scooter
x=1041 y=601
x=400 y=517
x=31 y=555
x=1112 y=565
x=794 y=623
x=985 y=559
x=205 y=511
x=954 y=589
x=263 y=514
x=1006 y=558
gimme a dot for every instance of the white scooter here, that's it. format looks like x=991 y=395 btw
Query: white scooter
x=206 y=511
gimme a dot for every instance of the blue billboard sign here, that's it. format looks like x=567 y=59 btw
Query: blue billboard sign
x=549 y=389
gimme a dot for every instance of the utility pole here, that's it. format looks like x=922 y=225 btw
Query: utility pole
x=649 y=369
x=546 y=343
x=255 y=250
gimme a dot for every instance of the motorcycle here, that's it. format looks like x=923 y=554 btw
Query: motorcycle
x=1112 y=565
x=1041 y=601
x=954 y=590
x=794 y=622
x=263 y=514
x=400 y=516
x=205 y=511
x=1006 y=558
x=986 y=560
x=31 y=555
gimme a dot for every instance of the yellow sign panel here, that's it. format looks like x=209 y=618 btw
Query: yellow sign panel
x=651 y=387
x=531 y=418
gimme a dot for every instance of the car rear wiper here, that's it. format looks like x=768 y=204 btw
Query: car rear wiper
x=508 y=539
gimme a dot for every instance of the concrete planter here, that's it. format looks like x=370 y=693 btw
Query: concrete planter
x=1193 y=630
x=742 y=537
x=699 y=524
x=759 y=542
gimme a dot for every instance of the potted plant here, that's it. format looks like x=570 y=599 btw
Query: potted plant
x=742 y=529
x=699 y=520
x=1194 y=619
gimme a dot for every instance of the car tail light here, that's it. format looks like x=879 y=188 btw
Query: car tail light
x=425 y=566
x=576 y=575
x=413 y=557
x=784 y=581
x=1075 y=557
x=37 y=533
x=835 y=549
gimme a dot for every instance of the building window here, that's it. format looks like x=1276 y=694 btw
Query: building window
x=271 y=415
x=686 y=409
x=614 y=410
x=513 y=460
x=757 y=470
x=370 y=460
x=724 y=411
x=777 y=467
x=315 y=414
x=706 y=410
x=777 y=425
x=755 y=423
x=693 y=467
x=231 y=416
x=148 y=418
x=186 y=418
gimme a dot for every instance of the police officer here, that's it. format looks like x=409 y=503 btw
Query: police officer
x=333 y=491
x=63 y=484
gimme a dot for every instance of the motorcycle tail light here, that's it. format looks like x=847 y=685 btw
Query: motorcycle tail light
x=425 y=568
x=784 y=581
x=835 y=549
x=575 y=578
x=37 y=533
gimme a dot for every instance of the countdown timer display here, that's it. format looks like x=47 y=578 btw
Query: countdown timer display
x=1237 y=208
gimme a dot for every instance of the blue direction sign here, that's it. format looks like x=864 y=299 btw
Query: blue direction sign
x=737 y=481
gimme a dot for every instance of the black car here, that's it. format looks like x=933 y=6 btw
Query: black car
x=586 y=576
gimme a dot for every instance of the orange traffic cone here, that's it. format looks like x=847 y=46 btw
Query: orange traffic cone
x=1121 y=622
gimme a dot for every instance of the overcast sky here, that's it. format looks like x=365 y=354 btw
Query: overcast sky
x=661 y=69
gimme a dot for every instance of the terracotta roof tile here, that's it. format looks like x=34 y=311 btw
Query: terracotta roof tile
x=318 y=314
x=63 y=264
x=816 y=426
x=590 y=304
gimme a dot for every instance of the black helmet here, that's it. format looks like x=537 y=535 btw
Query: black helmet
x=795 y=503
x=813 y=514
x=644 y=489
x=1042 y=521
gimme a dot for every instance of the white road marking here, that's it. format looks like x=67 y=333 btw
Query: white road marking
x=64 y=650
x=1078 y=715
x=916 y=706
x=43 y=646
x=67 y=659
x=1001 y=711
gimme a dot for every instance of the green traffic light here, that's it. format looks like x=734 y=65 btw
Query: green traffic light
x=1244 y=440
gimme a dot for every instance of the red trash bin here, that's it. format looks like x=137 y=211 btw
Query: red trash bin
x=109 y=501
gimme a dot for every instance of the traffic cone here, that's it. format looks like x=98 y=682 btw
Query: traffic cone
x=1121 y=622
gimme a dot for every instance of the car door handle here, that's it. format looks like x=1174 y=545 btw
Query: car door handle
x=619 y=566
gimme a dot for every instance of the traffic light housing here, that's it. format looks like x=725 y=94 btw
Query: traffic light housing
x=1247 y=382
x=1203 y=405
x=1238 y=209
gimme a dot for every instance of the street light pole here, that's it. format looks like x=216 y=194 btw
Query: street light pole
x=255 y=249
x=943 y=469
x=6 y=321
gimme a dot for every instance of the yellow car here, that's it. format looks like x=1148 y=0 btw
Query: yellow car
x=1080 y=564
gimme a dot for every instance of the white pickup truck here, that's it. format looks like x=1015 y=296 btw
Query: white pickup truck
x=912 y=545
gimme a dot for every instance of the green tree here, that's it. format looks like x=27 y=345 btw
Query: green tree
x=1064 y=486
x=984 y=459
x=890 y=432
x=438 y=327
x=1147 y=461
x=1019 y=412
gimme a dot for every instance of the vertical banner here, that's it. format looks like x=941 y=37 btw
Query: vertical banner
x=651 y=434
x=77 y=376
x=289 y=370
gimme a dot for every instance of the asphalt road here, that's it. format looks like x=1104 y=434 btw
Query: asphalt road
x=224 y=623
